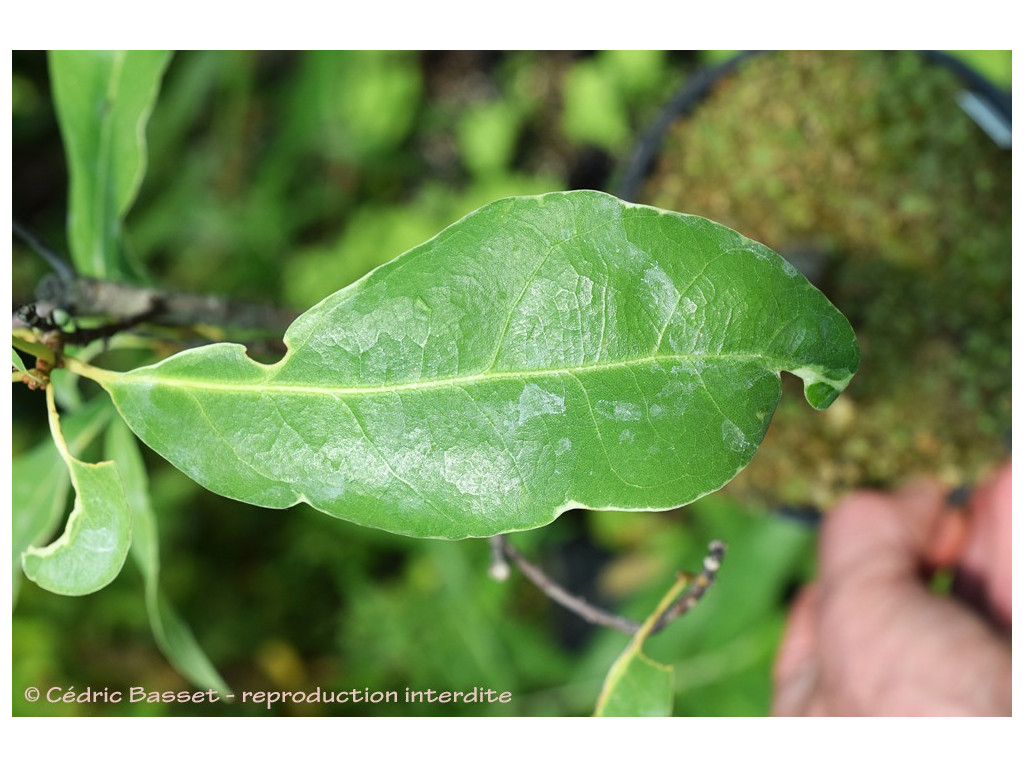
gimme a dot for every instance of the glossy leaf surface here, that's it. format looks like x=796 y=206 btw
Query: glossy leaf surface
x=103 y=101
x=172 y=635
x=543 y=353
x=94 y=545
x=637 y=686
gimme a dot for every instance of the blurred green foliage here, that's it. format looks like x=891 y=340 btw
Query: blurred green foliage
x=602 y=92
x=283 y=177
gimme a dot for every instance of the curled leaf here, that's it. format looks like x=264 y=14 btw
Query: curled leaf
x=94 y=545
x=40 y=481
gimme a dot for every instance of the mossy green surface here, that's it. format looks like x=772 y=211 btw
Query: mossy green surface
x=863 y=169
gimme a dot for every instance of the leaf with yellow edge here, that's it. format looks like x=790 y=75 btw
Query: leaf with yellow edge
x=636 y=686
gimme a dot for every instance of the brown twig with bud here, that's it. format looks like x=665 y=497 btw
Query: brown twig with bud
x=502 y=552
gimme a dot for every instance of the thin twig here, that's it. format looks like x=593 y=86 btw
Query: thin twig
x=698 y=587
x=499 y=570
x=89 y=297
x=30 y=378
x=558 y=593
x=63 y=269
x=129 y=305
x=84 y=335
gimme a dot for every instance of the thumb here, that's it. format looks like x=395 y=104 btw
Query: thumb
x=873 y=535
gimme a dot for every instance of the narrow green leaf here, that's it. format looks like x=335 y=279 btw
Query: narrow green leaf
x=94 y=545
x=176 y=641
x=40 y=482
x=172 y=635
x=103 y=101
x=120 y=448
x=636 y=686
x=17 y=363
x=543 y=353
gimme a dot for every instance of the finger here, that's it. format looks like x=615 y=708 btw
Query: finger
x=871 y=535
x=949 y=539
x=986 y=565
x=796 y=665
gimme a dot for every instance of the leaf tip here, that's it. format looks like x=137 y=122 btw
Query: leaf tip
x=820 y=395
x=820 y=390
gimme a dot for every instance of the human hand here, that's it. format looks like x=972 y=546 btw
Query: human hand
x=870 y=638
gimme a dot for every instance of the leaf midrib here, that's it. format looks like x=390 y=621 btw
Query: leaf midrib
x=270 y=386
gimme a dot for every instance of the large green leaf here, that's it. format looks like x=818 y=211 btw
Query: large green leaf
x=171 y=633
x=103 y=101
x=543 y=353
x=94 y=545
x=637 y=686
x=40 y=481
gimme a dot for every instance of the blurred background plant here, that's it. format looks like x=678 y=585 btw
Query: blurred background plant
x=283 y=177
